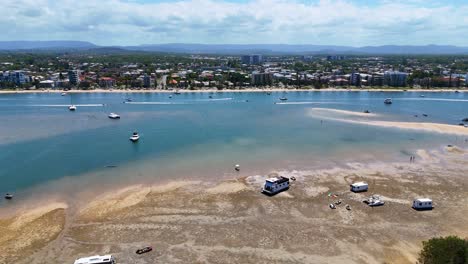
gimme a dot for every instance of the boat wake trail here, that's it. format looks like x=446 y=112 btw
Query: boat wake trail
x=434 y=99
x=152 y=103
x=304 y=103
x=215 y=99
x=66 y=105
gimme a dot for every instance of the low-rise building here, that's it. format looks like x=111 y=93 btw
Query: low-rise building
x=106 y=82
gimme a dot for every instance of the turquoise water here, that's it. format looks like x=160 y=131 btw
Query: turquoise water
x=193 y=136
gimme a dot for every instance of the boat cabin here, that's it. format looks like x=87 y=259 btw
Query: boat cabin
x=359 y=187
x=275 y=185
x=106 y=259
x=422 y=204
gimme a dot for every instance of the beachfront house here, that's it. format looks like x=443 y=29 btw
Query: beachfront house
x=422 y=204
x=359 y=187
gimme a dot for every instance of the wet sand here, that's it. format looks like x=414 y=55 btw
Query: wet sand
x=232 y=222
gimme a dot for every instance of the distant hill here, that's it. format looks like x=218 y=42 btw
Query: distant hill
x=234 y=49
x=32 y=45
x=297 y=49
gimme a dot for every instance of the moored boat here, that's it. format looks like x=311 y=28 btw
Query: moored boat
x=388 y=101
x=72 y=107
x=114 y=116
x=135 y=137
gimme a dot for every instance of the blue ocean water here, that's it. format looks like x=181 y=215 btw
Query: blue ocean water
x=193 y=136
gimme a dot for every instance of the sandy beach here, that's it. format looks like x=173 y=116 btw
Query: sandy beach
x=232 y=222
x=250 y=89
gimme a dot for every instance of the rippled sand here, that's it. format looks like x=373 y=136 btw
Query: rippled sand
x=232 y=222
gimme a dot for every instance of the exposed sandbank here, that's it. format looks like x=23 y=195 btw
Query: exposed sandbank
x=231 y=222
x=347 y=117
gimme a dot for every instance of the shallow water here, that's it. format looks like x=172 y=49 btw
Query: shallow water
x=45 y=147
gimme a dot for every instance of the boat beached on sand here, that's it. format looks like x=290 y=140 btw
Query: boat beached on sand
x=107 y=259
x=275 y=185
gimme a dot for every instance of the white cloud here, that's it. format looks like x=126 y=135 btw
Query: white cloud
x=341 y=22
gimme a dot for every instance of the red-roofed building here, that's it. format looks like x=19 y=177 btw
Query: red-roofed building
x=106 y=82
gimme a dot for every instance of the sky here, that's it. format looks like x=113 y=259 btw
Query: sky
x=319 y=22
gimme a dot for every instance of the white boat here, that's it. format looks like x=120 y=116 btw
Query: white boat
x=135 y=137
x=375 y=200
x=388 y=101
x=8 y=196
x=107 y=259
x=72 y=107
x=275 y=185
x=114 y=116
x=63 y=94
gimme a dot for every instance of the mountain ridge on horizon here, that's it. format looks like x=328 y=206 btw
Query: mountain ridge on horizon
x=194 y=48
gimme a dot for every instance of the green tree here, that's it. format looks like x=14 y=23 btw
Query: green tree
x=444 y=250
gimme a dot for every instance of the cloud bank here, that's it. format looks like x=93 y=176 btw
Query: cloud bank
x=326 y=22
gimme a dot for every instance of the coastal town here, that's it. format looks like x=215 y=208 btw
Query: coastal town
x=153 y=71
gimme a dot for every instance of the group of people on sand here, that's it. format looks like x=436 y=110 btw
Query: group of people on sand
x=411 y=159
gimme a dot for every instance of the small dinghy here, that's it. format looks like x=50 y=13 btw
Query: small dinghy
x=144 y=250
x=72 y=107
x=388 y=101
x=283 y=99
x=237 y=167
x=8 y=196
x=135 y=137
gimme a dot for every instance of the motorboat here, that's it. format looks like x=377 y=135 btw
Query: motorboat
x=422 y=95
x=63 y=94
x=388 y=101
x=106 y=259
x=283 y=99
x=374 y=200
x=144 y=250
x=114 y=116
x=72 y=107
x=8 y=196
x=135 y=137
x=128 y=99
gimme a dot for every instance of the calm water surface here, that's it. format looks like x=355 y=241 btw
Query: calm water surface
x=193 y=136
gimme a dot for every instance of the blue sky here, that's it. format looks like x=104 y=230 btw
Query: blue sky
x=321 y=22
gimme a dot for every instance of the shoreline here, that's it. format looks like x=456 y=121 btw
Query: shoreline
x=158 y=215
x=247 y=90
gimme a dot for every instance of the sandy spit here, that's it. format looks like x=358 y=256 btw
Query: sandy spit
x=326 y=113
